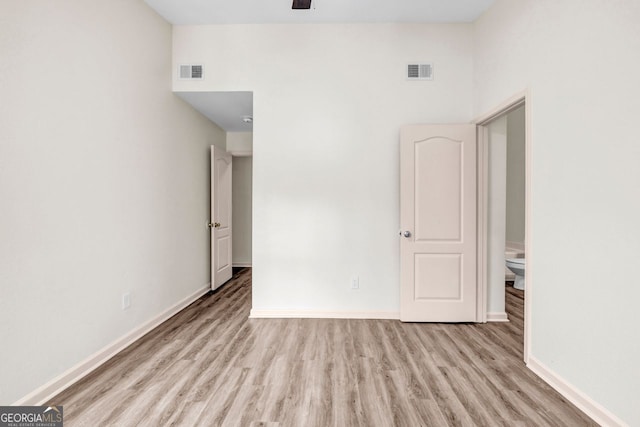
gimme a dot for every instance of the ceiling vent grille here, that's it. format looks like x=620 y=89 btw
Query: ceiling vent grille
x=191 y=72
x=301 y=4
x=420 y=72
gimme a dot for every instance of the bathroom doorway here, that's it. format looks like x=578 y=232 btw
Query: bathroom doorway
x=503 y=208
x=515 y=198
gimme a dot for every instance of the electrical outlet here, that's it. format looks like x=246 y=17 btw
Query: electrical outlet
x=355 y=283
x=126 y=301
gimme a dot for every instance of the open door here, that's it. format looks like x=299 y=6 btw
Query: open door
x=220 y=225
x=438 y=220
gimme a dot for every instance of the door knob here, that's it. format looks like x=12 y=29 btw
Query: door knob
x=407 y=234
x=214 y=225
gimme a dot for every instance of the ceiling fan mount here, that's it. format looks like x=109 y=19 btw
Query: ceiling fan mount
x=301 y=4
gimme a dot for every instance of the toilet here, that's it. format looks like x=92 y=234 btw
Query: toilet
x=517 y=266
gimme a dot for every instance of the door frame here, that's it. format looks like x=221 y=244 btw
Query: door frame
x=482 y=123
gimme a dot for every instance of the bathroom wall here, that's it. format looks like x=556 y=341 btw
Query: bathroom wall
x=515 y=177
x=496 y=211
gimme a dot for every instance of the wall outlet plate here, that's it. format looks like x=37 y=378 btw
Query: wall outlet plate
x=126 y=301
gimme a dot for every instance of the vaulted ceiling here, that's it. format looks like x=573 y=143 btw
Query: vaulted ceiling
x=227 y=109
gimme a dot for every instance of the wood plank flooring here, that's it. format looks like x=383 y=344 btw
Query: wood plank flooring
x=212 y=366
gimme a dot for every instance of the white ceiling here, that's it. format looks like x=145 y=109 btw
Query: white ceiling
x=226 y=109
x=203 y=12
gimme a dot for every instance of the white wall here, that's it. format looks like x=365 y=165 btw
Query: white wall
x=581 y=61
x=240 y=142
x=103 y=183
x=515 y=176
x=496 y=217
x=241 y=181
x=329 y=101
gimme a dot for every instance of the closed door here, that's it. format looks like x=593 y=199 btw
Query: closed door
x=221 y=227
x=438 y=220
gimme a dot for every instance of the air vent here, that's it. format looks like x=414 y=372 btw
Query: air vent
x=420 y=71
x=191 y=72
x=301 y=4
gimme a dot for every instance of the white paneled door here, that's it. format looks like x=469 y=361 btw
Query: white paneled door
x=438 y=220
x=221 y=227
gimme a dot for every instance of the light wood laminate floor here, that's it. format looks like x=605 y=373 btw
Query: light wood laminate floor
x=210 y=365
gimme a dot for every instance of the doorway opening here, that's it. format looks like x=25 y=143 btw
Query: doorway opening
x=230 y=222
x=231 y=208
x=504 y=206
x=242 y=207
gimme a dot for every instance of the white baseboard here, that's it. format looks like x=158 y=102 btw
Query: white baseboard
x=497 y=317
x=590 y=407
x=311 y=314
x=241 y=264
x=66 y=379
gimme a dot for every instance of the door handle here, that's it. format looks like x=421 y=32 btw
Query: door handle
x=214 y=225
x=407 y=234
